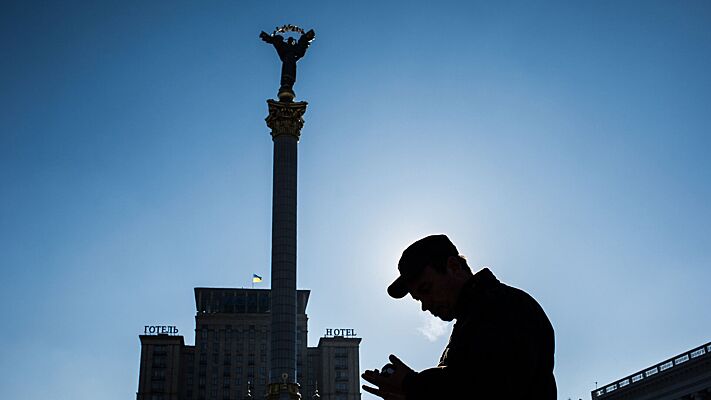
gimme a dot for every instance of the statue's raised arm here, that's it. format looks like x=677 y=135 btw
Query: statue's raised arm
x=304 y=42
x=307 y=37
x=266 y=37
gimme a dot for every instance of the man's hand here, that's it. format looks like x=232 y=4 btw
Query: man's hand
x=389 y=386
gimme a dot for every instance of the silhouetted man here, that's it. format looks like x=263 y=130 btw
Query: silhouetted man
x=501 y=345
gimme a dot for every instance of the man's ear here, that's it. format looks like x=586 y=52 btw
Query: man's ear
x=454 y=264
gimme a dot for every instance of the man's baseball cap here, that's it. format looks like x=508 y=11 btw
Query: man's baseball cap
x=426 y=251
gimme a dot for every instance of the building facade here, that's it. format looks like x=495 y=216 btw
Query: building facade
x=230 y=358
x=686 y=376
x=333 y=368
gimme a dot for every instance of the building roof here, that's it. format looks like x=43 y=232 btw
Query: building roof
x=241 y=301
x=655 y=372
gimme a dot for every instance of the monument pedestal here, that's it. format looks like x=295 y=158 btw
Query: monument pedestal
x=283 y=391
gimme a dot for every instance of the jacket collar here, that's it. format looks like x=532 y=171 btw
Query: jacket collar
x=478 y=284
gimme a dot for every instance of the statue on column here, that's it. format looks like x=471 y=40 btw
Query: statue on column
x=289 y=51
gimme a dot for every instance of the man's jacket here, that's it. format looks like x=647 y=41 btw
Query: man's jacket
x=501 y=347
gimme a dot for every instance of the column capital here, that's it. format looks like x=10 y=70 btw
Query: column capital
x=286 y=118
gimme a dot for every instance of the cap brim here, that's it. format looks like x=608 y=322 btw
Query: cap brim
x=398 y=289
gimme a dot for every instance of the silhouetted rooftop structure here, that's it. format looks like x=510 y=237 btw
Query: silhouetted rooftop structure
x=685 y=376
x=241 y=301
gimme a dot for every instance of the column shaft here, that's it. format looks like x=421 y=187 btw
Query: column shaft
x=283 y=295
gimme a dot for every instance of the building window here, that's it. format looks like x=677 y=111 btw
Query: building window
x=252 y=306
x=158 y=386
x=264 y=302
x=159 y=361
x=158 y=374
x=239 y=304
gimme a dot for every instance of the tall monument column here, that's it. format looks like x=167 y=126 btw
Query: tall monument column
x=285 y=120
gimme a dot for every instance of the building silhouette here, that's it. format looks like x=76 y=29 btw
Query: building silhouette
x=686 y=376
x=231 y=355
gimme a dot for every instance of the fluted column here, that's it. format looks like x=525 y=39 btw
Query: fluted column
x=285 y=120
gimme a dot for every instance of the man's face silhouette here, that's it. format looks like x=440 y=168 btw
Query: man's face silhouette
x=438 y=291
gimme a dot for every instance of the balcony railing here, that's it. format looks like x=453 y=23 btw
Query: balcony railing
x=641 y=376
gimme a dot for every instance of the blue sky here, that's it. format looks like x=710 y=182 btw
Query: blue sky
x=562 y=144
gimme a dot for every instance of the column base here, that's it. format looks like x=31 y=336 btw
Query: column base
x=286 y=94
x=283 y=391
